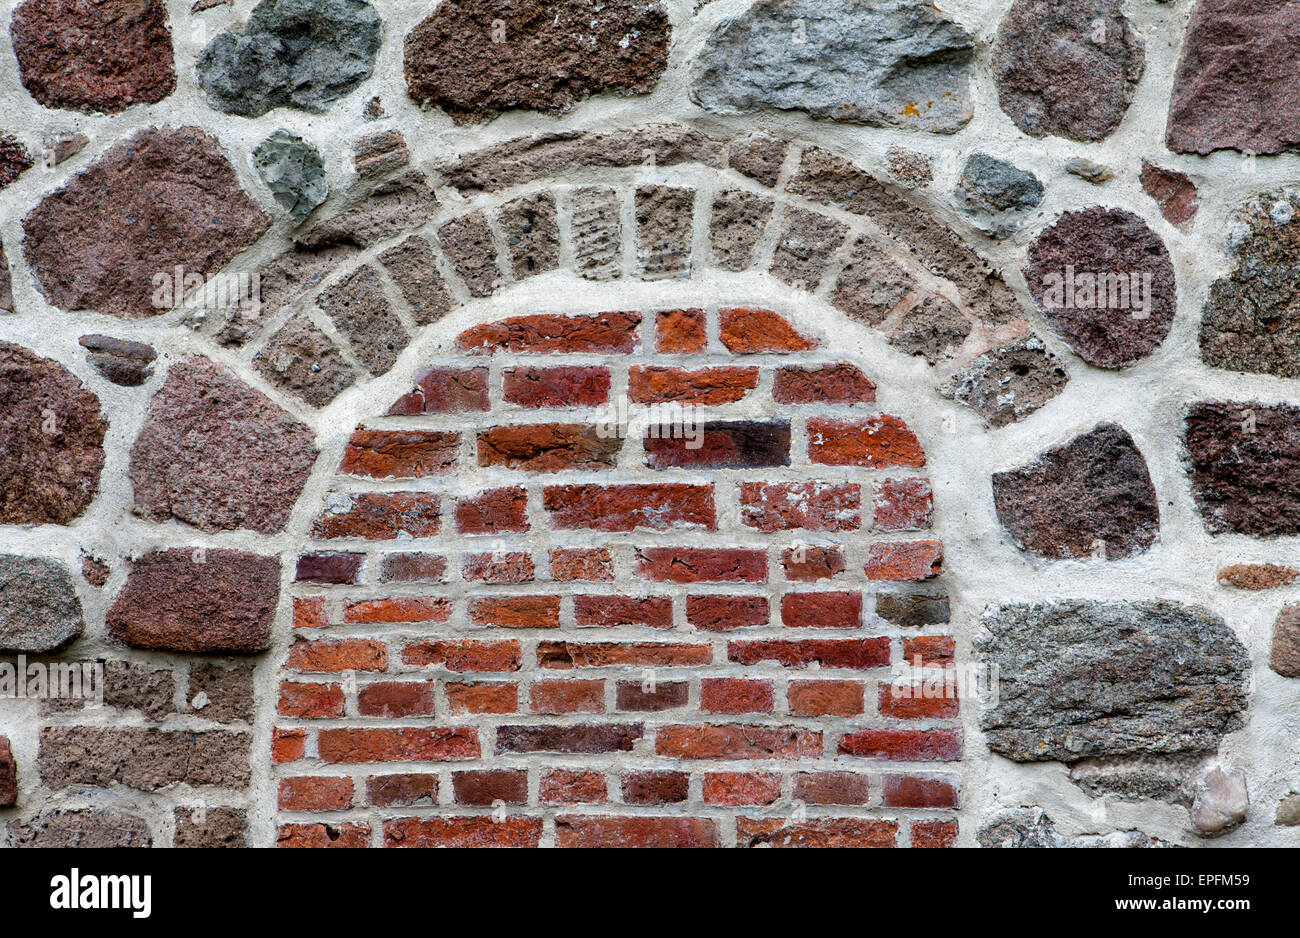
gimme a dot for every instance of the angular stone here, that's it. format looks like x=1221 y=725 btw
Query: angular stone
x=39 y=609
x=529 y=227
x=914 y=170
x=211 y=828
x=294 y=172
x=1288 y=811
x=806 y=248
x=1090 y=497
x=1245 y=467
x=361 y=311
x=758 y=156
x=597 y=233
x=665 y=219
x=303 y=54
x=218 y=455
x=1081 y=679
x=1173 y=191
x=222 y=694
x=871 y=285
x=476 y=58
x=1088 y=171
x=467 y=241
x=1221 y=802
x=379 y=153
x=82 y=829
x=1235 y=84
x=1164 y=778
x=165 y=198
x=1105 y=284
x=14 y=159
x=414 y=268
x=121 y=361
x=393 y=206
x=144 y=759
x=933 y=329
x=94 y=56
x=129 y=686
x=1285 y=656
x=1067 y=69
x=6 y=283
x=198 y=600
x=1031 y=827
x=51 y=440
x=1250 y=320
x=913 y=609
x=737 y=225
x=305 y=362
x=1257 y=576
x=1005 y=385
x=890 y=63
x=996 y=195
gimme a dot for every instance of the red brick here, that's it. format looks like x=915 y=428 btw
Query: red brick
x=932 y=834
x=376 y=516
x=318 y=836
x=648 y=788
x=314 y=793
x=735 y=695
x=565 y=655
x=822 y=610
x=680 y=331
x=759 y=330
x=706 y=387
x=482 y=698
x=402 y=791
x=373 y=611
x=399 y=454
x=738 y=742
x=910 y=791
x=903 y=745
x=810 y=564
x=395 y=699
x=905 y=562
x=722 y=444
x=651 y=698
x=310 y=701
x=412 y=568
x=423 y=744
x=547 y=447
x=582 y=738
x=464 y=655
x=831 y=788
x=858 y=653
x=903 y=505
x=876 y=443
x=425 y=832
x=581 y=564
x=557 y=387
x=825 y=698
x=516 y=612
x=570 y=786
x=628 y=507
x=329 y=568
x=722 y=613
x=498 y=567
x=911 y=703
x=701 y=565
x=309 y=613
x=567 y=697
x=493 y=512
x=654 y=612
x=483 y=788
x=824 y=384
x=350 y=654
x=811 y=506
x=445 y=391
x=644 y=832
x=820 y=833
x=741 y=788
x=933 y=650
x=287 y=745
x=603 y=332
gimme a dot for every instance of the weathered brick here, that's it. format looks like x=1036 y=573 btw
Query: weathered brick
x=350 y=654
x=309 y=613
x=655 y=612
x=736 y=695
x=750 y=331
x=737 y=742
x=579 y=738
x=402 y=791
x=811 y=506
x=902 y=504
x=516 y=612
x=146 y=759
x=462 y=832
x=329 y=567
x=931 y=834
x=905 y=562
x=378 y=516
x=412 y=568
x=910 y=702
x=567 y=697
x=706 y=387
x=741 y=788
x=414 y=269
x=310 y=701
x=831 y=788
x=648 y=788
x=570 y=787
x=910 y=791
x=825 y=698
x=399 y=454
x=396 y=699
x=876 y=443
x=557 y=387
x=485 y=787
x=423 y=744
x=601 y=333
x=565 y=655
x=287 y=745
x=810 y=564
x=445 y=391
x=913 y=609
x=318 y=836
x=680 y=331
x=856 y=653
x=643 y=832
x=467 y=242
x=701 y=565
x=724 y=444
x=547 y=447
x=315 y=793
x=714 y=613
x=821 y=610
x=582 y=564
x=497 y=568
x=930 y=649
x=464 y=655
x=646 y=697
x=628 y=507
x=823 y=384
x=498 y=511
x=850 y=833
x=903 y=745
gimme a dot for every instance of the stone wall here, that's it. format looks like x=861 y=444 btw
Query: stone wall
x=579 y=424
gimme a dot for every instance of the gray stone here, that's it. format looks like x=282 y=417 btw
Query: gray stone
x=996 y=195
x=529 y=227
x=871 y=284
x=890 y=63
x=738 y=221
x=1288 y=811
x=303 y=360
x=414 y=269
x=1089 y=171
x=1167 y=778
x=294 y=172
x=121 y=361
x=664 y=217
x=1080 y=680
x=1031 y=827
x=88 y=829
x=361 y=311
x=1005 y=385
x=39 y=609
x=933 y=329
x=467 y=242
x=597 y=233
x=806 y=248
x=1221 y=802
x=303 y=54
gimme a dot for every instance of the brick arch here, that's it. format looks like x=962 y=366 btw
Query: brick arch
x=512 y=628
x=654 y=203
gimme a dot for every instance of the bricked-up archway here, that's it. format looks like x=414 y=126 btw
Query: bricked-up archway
x=512 y=627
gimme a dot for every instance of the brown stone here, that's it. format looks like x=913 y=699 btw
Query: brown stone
x=467 y=241
x=165 y=198
x=145 y=759
x=51 y=441
x=1173 y=191
x=8 y=775
x=198 y=600
x=391 y=207
x=94 y=56
x=86 y=829
x=305 y=362
x=14 y=159
x=476 y=58
x=218 y=455
x=210 y=827
x=1257 y=576
x=362 y=313
x=222 y=694
x=1285 y=656
x=375 y=154
x=121 y=361
x=529 y=227
x=415 y=270
x=665 y=217
x=739 y=219
x=597 y=233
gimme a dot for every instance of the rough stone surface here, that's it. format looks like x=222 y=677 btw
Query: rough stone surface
x=476 y=58
x=304 y=361
x=738 y=222
x=1067 y=69
x=1091 y=497
x=1257 y=576
x=144 y=759
x=8 y=775
x=1288 y=811
x=891 y=63
x=14 y=159
x=360 y=310
x=218 y=455
x=1080 y=680
x=82 y=829
x=1173 y=191
x=94 y=56
x=1285 y=656
x=1005 y=385
x=213 y=827
x=1105 y=284
x=206 y=601
x=1166 y=778
x=121 y=361
x=1031 y=827
x=996 y=195
x=294 y=172
x=163 y=199
x=51 y=441
x=303 y=54
x=39 y=609
x=1221 y=802
x=1244 y=462
x=1235 y=86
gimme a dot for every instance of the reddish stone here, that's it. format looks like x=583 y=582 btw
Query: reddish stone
x=704 y=388
x=1258 y=576
x=445 y=391
x=516 y=612
x=547 y=447
x=567 y=697
x=735 y=695
x=825 y=384
x=878 y=443
x=603 y=332
x=904 y=562
x=570 y=564
x=557 y=387
x=8 y=775
x=399 y=454
x=462 y=832
x=1285 y=655
x=821 y=610
x=680 y=331
x=741 y=788
x=569 y=787
x=856 y=653
x=329 y=567
x=655 y=787
x=812 y=506
x=14 y=161
x=750 y=331
x=1245 y=467
x=1173 y=191
x=487 y=787
x=810 y=564
x=628 y=507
